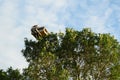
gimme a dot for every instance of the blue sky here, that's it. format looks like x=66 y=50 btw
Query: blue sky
x=17 y=17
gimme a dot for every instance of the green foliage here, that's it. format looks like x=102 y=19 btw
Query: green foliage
x=10 y=74
x=80 y=55
x=3 y=75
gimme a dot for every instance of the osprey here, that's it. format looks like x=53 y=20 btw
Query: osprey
x=38 y=32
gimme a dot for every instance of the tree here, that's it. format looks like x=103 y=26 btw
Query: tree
x=14 y=74
x=43 y=63
x=79 y=55
x=3 y=75
x=10 y=74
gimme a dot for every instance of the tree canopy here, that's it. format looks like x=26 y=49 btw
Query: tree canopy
x=76 y=55
x=10 y=74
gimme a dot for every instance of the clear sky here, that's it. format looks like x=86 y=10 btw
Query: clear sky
x=17 y=17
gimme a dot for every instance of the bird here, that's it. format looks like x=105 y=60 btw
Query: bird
x=38 y=32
